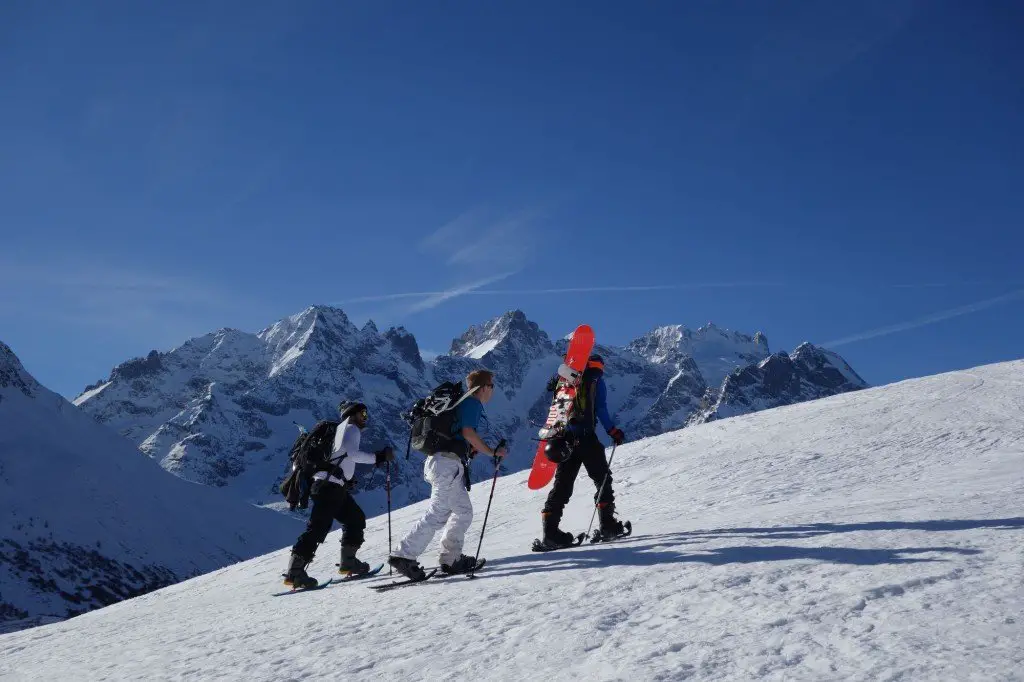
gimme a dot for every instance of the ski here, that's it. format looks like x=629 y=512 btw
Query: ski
x=402 y=583
x=359 y=576
x=567 y=382
x=597 y=537
x=539 y=546
x=319 y=586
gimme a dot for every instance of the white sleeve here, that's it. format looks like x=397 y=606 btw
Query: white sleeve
x=349 y=443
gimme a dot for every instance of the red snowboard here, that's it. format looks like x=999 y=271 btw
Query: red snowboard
x=570 y=374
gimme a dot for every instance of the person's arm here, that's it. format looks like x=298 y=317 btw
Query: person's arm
x=350 y=444
x=618 y=437
x=473 y=438
x=602 y=406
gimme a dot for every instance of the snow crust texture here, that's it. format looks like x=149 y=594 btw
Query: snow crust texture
x=873 y=535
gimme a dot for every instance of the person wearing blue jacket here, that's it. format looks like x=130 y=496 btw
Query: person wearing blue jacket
x=582 y=448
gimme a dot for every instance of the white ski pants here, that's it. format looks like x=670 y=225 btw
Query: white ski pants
x=449 y=508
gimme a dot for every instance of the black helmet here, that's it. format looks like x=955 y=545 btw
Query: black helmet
x=595 y=362
x=557 y=450
x=348 y=409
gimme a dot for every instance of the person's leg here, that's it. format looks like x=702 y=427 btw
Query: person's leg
x=353 y=521
x=416 y=540
x=458 y=523
x=561 y=492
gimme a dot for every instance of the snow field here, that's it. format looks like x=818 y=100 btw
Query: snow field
x=875 y=535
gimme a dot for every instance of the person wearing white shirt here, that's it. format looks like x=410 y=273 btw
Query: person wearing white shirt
x=332 y=500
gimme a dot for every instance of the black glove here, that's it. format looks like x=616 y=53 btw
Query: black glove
x=618 y=437
x=552 y=384
x=385 y=454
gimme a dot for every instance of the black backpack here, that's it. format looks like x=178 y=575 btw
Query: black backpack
x=311 y=453
x=433 y=421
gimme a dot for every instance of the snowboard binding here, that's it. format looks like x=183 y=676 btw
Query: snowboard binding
x=598 y=536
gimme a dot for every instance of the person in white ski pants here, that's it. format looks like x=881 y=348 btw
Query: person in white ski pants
x=450 y=507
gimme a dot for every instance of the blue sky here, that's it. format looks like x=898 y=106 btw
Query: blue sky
x=847 y=173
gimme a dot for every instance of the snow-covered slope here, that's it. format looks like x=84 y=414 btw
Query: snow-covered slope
x=872 y=535
x=88 y=520
x=221 y=409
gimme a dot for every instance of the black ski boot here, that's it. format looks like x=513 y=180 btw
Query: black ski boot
x=296 y=577
x=464 y=564
x=611 y=527
x=350 y=565
x=553 y=537
x=410 y=568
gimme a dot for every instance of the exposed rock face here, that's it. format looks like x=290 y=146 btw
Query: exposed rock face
x=221 y=409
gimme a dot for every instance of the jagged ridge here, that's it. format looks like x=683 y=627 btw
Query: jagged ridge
x=220 y=409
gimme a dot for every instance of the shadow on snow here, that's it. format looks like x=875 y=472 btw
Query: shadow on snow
x=651 y=550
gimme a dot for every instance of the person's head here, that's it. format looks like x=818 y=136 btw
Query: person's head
x=483 y=381
x=356 y=413
x=595 y=364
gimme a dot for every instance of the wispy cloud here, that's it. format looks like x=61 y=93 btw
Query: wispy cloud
x=477 y=243
x=626 y=289
x=437 y=299
x=483 y=237
x=929 y=319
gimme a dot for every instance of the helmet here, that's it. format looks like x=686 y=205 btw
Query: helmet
x=348 y=409
x=557 y=450
x=595 y=362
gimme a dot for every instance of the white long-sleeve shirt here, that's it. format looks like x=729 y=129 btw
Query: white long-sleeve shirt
x=346 y=439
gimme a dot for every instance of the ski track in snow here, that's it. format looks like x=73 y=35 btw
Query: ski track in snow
x=875 y=535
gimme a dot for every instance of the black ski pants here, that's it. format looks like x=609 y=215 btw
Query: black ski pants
x=331 y=502
x=588 y=452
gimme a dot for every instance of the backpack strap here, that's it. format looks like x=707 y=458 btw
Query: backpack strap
x=334 y=465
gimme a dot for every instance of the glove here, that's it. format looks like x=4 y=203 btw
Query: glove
x=385 y=454
x=552 y=384
x=618 y=437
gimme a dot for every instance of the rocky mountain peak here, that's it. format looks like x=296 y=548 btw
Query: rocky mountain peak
x=136 y=368
x=13 y=374
x=826 y=368
x=405 y=344
x=511 y=328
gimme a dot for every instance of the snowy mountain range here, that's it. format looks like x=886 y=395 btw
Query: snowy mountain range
x=875 y=535
x=89 y=521
x=222 y=409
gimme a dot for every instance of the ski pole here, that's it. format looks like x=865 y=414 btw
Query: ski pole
x=601 y=489
x=408 y=446
x=483 y=529
x=387 y=486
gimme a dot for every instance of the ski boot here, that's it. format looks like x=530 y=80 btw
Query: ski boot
x=554 y=538
x=410 y=568
x=611 y=527
x=296 y=577
x=350 y=565
x=464 y=564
